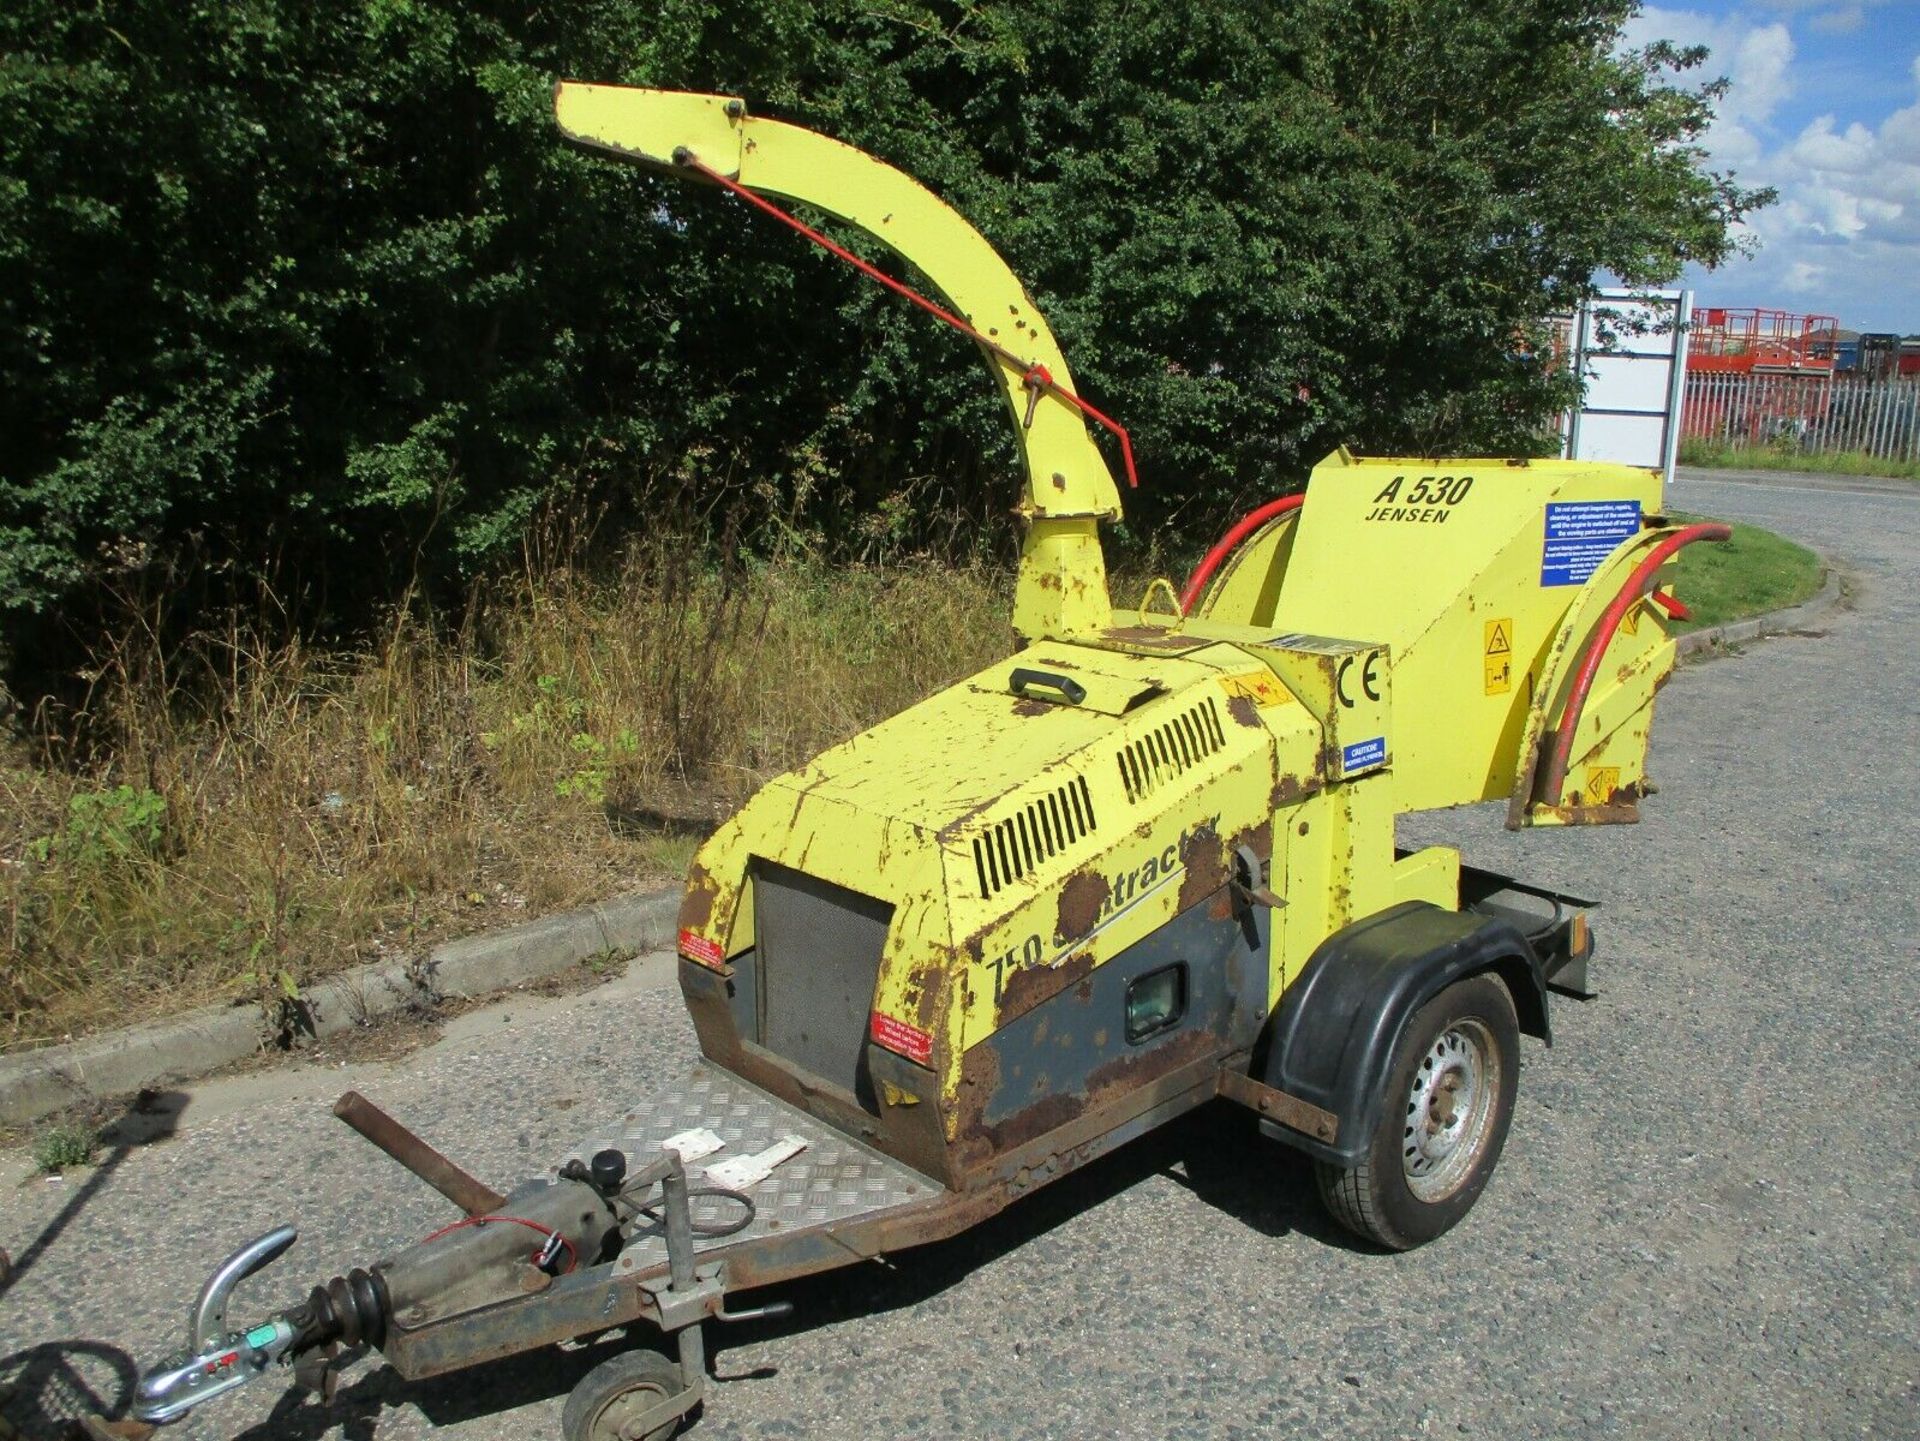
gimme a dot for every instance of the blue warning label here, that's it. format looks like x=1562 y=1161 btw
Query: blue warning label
x=1583 y=533
x=1363 y=755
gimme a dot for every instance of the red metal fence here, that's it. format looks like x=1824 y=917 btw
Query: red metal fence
x=1811 y=414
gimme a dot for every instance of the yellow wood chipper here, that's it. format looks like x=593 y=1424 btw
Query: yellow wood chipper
x=1146 y=862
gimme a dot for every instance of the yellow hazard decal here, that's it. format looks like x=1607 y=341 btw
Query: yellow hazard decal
x=1497 y=659
x=1261 y=687
x=1602 y=782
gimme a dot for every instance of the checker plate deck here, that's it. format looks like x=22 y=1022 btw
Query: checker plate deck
x=834 y=1179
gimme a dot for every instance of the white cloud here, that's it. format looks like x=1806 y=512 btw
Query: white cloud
x=1899 y=137
x=1849 y=20
x=1760 y=69
x=1757 y=61
x=1818 y=148
x=1845 y=235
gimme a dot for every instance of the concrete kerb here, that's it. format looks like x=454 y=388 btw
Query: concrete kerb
x=1773 y=622
x=38 y=1083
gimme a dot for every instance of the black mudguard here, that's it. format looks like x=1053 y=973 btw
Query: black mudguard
x=1333 y=1035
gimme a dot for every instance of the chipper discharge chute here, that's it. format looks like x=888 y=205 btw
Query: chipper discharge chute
x=1146 y=861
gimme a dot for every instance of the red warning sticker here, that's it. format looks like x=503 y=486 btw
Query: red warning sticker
x=696 y=947
x=900 y=1038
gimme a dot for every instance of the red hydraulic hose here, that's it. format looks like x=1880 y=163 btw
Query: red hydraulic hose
x=1631 y=593
x=1246 y=526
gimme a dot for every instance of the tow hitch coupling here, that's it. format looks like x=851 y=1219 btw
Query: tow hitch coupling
x=217 y=1359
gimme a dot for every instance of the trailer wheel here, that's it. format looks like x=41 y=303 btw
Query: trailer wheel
x=1443 y=1119
x=616 y=1392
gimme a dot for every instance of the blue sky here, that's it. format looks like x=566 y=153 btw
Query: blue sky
x=1825 y=106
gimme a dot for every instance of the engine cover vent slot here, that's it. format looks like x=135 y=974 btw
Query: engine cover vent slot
x=1032 y=835
x=1168 y=749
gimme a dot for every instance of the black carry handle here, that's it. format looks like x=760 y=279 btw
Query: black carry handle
x=1048 y=680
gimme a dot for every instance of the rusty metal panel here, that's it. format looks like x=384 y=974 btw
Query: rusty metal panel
x=1071 y=1054
x=1276 y=1105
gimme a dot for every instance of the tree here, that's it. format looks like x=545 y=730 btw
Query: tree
x=310 y=296
x=1265 y=233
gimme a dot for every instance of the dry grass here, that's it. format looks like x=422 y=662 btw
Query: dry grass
x=263 y=815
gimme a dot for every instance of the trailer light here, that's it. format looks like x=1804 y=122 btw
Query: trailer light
x=900 y=1038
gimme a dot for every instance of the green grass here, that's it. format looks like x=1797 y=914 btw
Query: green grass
x=1755 y=572
x=1724 y=455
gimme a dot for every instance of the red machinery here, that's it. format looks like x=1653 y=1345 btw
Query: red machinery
x=1758 y=341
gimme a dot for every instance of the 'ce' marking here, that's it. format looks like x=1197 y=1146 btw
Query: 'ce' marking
x=1367 y=679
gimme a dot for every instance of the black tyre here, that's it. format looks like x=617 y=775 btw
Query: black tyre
x=610 y=1396
x=1443 y=1119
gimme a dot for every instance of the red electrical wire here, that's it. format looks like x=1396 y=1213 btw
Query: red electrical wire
x=1034 y=376
x=1630 y=593
x=573 y=1256
x=1246 y=526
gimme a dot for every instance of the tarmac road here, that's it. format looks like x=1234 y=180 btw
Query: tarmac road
x=1704 y=1222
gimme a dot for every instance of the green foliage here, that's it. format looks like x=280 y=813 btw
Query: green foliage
x=106 y=828
x=311 y=297
x=62 y=1147
x=595 y=760
x=559 y=714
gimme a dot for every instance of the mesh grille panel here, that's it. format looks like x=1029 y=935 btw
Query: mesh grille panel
x=819 y=947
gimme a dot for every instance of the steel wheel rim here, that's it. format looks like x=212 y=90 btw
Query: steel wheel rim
x=616 y=1419
x=1448 y=1119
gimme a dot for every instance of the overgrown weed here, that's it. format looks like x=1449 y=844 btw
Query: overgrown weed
x=62 y=1147
x=246 y=816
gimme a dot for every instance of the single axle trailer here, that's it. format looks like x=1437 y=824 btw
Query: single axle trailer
x=1145 y=863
